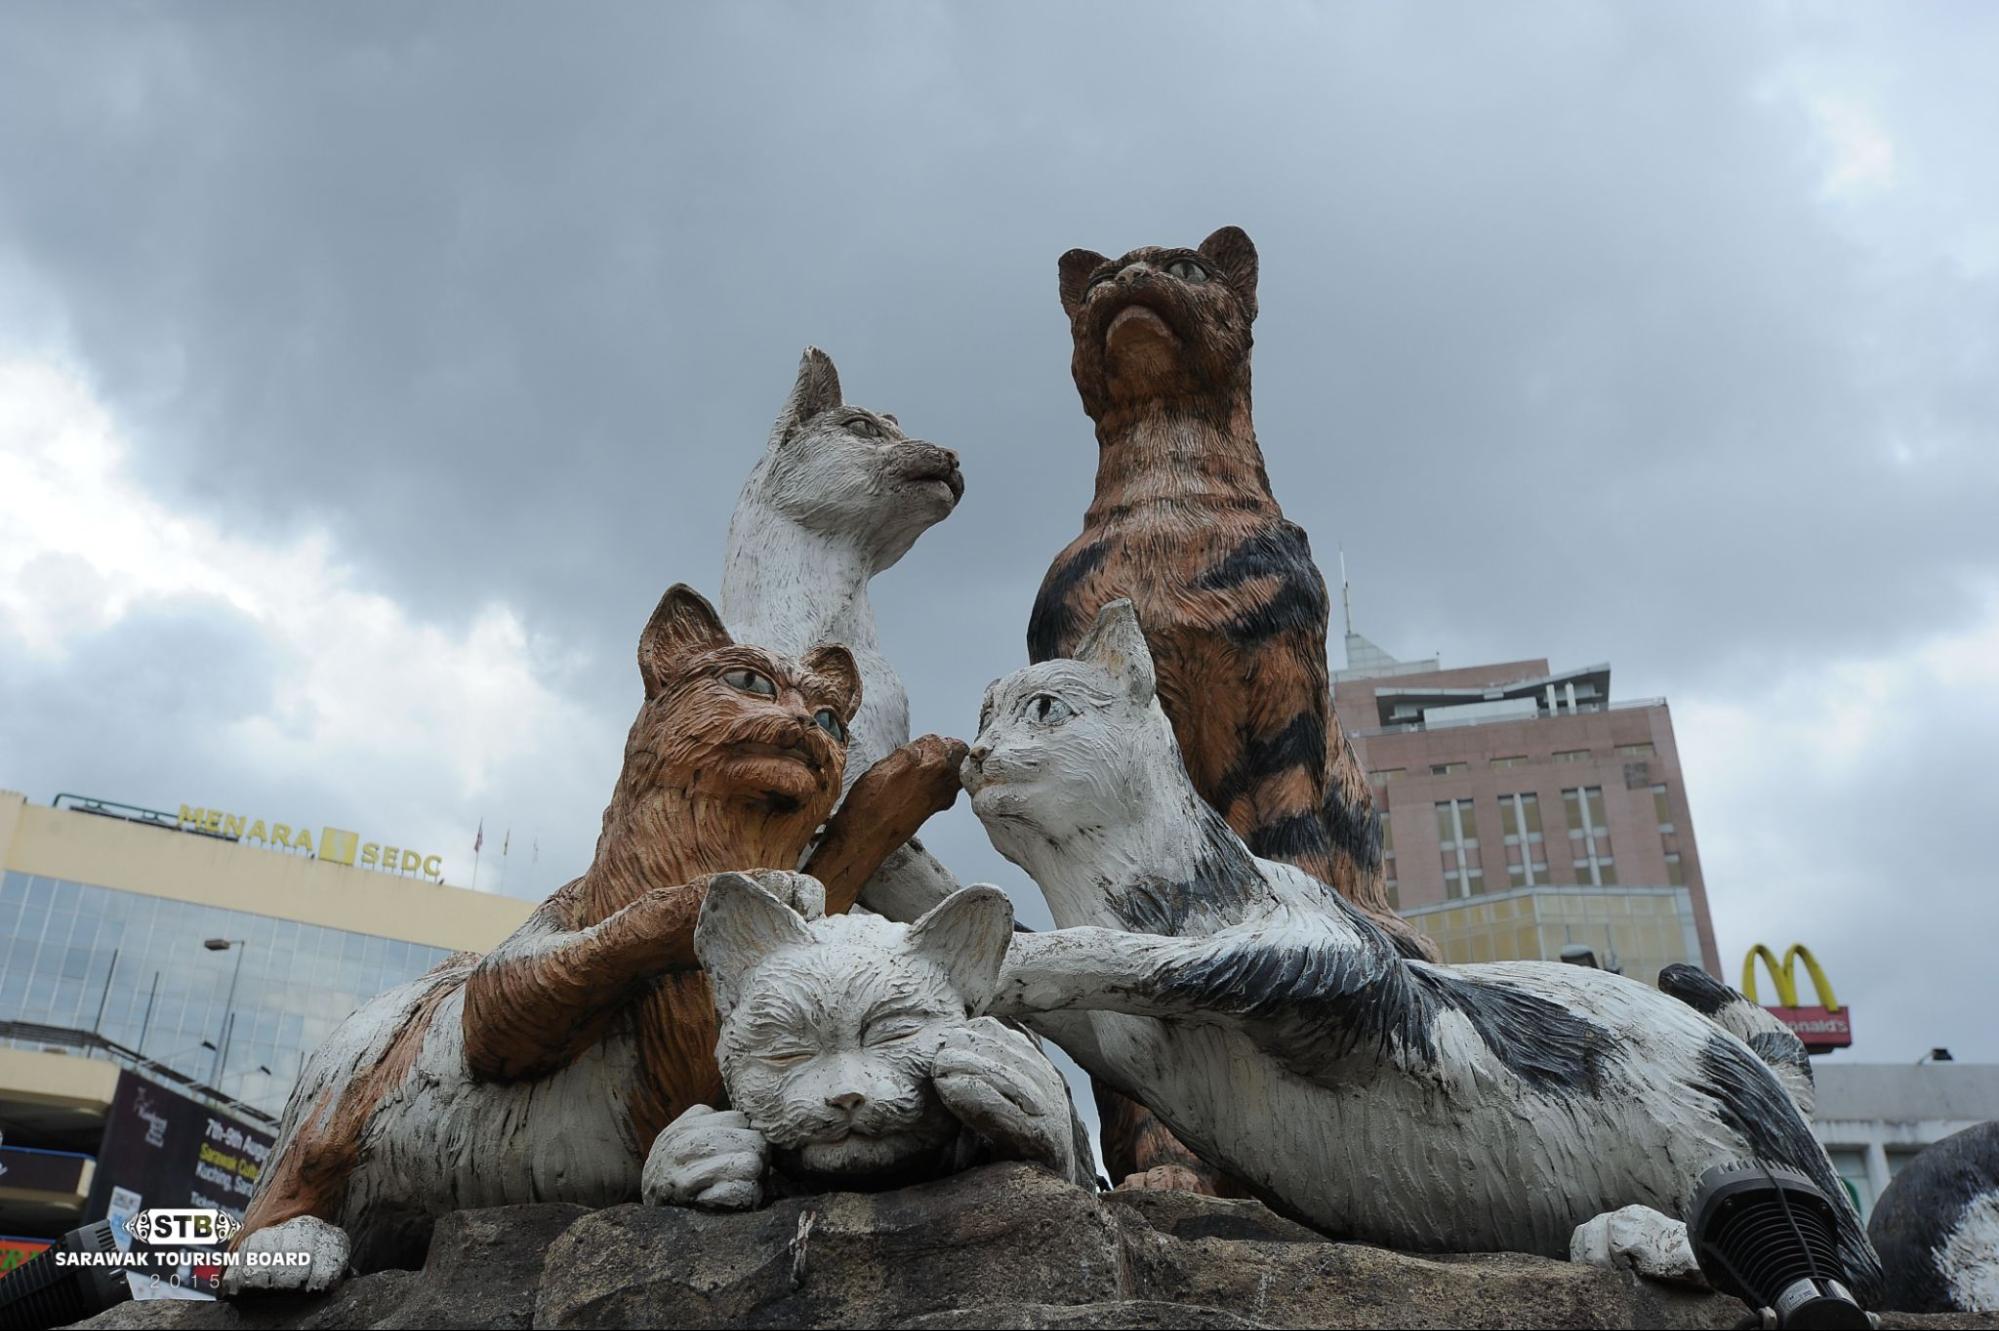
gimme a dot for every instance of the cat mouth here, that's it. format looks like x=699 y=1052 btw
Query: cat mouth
x=947 y=476
x=790 y=752
x=1138 y=319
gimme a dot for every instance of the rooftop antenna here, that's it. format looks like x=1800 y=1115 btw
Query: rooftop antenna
x=1346 y=591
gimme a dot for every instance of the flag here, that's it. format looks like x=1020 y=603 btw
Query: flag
x=480 y=839
x=505 y=842
x=536 y=858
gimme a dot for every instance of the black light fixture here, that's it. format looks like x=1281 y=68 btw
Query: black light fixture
x=1770 y=1237
x=39 y=1293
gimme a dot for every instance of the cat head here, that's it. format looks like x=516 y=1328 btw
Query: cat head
x=851 y=473
x=1069 y=745
x=732 y=721
x=829 y=1026
x=1159 y=322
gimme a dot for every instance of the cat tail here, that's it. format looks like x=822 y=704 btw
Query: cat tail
x=1769 y=1039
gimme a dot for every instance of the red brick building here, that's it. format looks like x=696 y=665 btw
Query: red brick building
x=1525 y=812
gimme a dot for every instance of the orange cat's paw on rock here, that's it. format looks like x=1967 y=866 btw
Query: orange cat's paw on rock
x=1168 y=1178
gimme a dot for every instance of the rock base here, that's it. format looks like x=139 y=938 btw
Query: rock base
x=1005 y=1246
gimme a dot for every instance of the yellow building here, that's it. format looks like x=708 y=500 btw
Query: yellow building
x=1635 y=930
x=193 y=955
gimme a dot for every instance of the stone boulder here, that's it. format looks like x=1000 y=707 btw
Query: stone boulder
x=1005 y=1246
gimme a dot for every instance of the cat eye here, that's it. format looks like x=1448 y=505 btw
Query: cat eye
x=830 y=723
x=749 y=681
x=1108 y=275
x=1048 y=710
x=887 y=1032
x=785 y=1058
x=1187 y=270
x=864 y=427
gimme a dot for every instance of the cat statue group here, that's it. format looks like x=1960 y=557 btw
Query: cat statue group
x=764 y=985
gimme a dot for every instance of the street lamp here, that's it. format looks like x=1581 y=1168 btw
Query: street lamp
x=222 y=1040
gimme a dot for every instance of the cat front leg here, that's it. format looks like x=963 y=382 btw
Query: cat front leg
x=996 y=1082
x=710 y=1158
x=882 y=810
x=304 y=1255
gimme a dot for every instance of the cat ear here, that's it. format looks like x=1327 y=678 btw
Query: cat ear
x=1233 y=252
x=967 y=934
x=1116 y=644
x=836 y=663
x=817 y=389
x=1075 y=268
x=740 y=925
x=682 y=624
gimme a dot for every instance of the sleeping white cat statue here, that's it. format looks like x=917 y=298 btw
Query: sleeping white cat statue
x=1279 y=1033
x=851 y=1057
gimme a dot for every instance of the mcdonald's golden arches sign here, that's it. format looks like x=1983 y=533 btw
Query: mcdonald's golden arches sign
x=1823 y=1028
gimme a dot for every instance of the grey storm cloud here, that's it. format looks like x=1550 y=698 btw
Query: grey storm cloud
x=1565 y=336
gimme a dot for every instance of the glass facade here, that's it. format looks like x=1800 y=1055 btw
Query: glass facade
x=133 y=968
x=1646 y=928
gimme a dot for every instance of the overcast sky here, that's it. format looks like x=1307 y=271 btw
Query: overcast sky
x=367 y=372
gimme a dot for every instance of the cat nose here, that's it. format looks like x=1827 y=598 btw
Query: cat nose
x=1132 y=270
x=847 y=1100
x=978 y=753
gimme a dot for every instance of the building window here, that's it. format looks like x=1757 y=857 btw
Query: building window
x=1385 y=775
x=1589 y=836
x=1520 y=820
x=1676 y=873
x=1572 y=755
x=1515 y=760
x=1457 y=835
x=1662 y=811
x=1446 y=769
x=1644 y=750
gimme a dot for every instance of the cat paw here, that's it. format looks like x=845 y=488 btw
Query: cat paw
x=1168 y=1178
x=304 y=1255
x=1640 y=1239
x=710 y=1158
x=930 y=770
x=800 y=891
x=996 y=1081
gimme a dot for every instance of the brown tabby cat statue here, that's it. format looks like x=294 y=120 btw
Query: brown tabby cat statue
x=1234 y=610
x=544 y=1070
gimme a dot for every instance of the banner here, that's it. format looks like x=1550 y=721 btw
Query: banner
x=168 y=1150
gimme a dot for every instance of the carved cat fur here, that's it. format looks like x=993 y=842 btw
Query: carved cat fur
x=840 y=494
x=1278 y=1030
x=851 y=1056
x=1184 y=524
x=544 y=1070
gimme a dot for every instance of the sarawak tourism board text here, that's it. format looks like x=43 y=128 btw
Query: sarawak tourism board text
x=335 y=844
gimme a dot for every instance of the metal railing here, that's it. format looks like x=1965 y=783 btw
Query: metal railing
x=92 y=1044
x=131 y=813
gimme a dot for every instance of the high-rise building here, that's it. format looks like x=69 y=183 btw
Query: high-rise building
x=1526 y=815
x=163 y=977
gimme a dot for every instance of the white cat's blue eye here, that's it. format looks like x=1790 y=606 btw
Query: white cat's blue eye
x=749 y=681
x=1048 y=710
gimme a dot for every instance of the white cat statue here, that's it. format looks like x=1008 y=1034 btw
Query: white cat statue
x=851 y=1057
x=840 y=495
